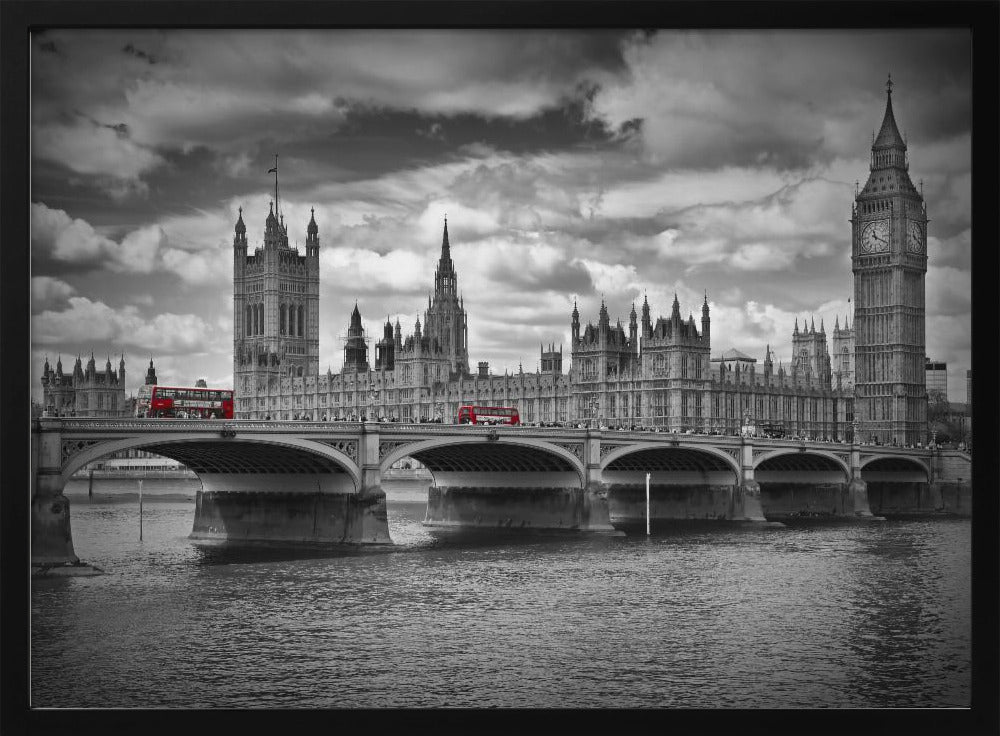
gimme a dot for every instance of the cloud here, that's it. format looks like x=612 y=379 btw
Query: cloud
x=85 y=321
x=96 y=150
x=707 y=99
x=47 y=292
x=55 y=235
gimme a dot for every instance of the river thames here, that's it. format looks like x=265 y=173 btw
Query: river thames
x=842 y=615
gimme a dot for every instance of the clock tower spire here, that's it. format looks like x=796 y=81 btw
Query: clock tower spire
x=889 y=257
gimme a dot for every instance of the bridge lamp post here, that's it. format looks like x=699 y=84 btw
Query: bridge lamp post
x=372 y=398
x=594 y=403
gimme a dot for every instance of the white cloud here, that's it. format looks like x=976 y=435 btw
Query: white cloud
x=47 y=292
x=85 y=321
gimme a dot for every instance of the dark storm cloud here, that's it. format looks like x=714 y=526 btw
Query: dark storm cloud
x=787 y=99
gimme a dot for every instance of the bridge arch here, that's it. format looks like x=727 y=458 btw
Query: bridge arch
x=685 y=457
x=894 y=467
x=811 y=460
x=244 y=454
x=479 y=454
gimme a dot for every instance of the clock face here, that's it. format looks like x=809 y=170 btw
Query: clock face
x=915 y=237
x=875 y=237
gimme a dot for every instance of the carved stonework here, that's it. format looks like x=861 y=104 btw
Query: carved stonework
x=385 y=448
x=758 y=453
x=845 y=458
x=607 y=448
x=735 y=454
x=575 y=447
x=348 y=447
x=72 y=447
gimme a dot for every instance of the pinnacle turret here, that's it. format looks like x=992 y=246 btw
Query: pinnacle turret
x=241 y=228
x=312 y=228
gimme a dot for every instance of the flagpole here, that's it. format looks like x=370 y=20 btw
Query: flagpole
x=140 y=509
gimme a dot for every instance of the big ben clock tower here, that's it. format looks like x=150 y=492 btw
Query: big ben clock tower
x=889 y=257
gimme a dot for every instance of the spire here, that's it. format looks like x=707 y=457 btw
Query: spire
x=632 y=315
x=888 y=135
x=445 y=245
x=312 y=228
x=241 y=228
x=704 y=306
x=812 y=326
x=796 y=330
x=836 y=324
x=675 y=312
x=576 y=313
x=822 y=331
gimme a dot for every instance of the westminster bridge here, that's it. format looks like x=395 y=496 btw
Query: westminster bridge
x=299 y=482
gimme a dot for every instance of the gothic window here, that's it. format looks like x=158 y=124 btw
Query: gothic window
x=283 y=318
x=249 y=321
x=300 y=321
x=684 y=366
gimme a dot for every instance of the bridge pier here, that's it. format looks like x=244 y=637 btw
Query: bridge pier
x=296 y=508
x=52 y=551
x=543 y=500
x=746 y=495
x=857 y=489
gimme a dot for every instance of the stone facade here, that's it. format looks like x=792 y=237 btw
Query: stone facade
x=275 y=311
x=889 y=256
x=842 y=358
x=657 y=374
x=86 y=392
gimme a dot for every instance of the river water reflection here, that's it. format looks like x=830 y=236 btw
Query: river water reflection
x=814 y=615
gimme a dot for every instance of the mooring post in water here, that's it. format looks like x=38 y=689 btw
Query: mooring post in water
x=90 y=486
x=140 y=509
x=647 y=504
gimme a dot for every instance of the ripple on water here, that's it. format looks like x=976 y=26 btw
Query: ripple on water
x=810 y=615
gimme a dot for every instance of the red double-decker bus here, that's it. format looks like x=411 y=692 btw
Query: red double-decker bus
x=184 y=403
x=488 y=415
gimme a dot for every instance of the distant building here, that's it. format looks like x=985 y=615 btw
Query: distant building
x=86 y=392
x=842 y=356
x=937 y=377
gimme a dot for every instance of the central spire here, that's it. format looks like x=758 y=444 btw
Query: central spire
x=445 y=246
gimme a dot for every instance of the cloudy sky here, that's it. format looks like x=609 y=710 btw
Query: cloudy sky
x=571 y=165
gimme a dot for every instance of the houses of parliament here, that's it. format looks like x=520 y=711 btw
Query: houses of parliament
x=656 y=373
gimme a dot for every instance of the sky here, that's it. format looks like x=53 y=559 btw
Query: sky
x=572 y=166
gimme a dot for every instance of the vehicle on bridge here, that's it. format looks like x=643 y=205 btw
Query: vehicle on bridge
x=184 y=403
x=774 y=430
x=488 y=415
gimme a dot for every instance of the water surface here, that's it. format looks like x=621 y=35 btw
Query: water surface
x=705 y=616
